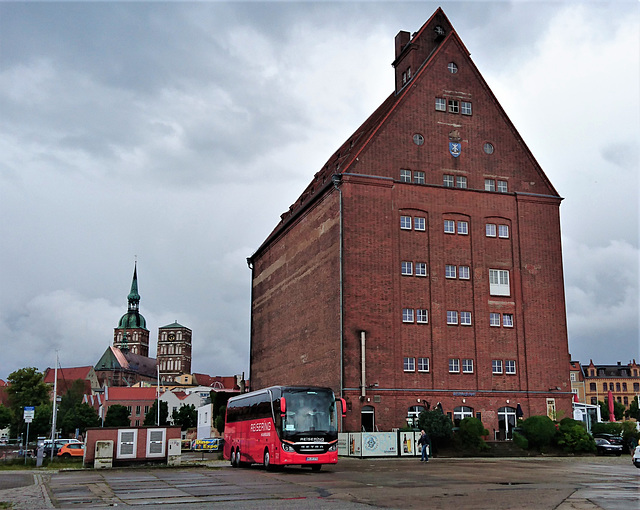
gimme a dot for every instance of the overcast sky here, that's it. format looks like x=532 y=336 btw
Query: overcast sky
x=178 y=133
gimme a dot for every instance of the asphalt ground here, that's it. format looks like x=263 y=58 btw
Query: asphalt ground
x=562 y=483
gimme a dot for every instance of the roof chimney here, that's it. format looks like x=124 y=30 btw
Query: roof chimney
x=402 y=39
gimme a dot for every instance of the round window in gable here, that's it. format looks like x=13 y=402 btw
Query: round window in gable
x=488 y=148
x=418 y=139
x=453 y=68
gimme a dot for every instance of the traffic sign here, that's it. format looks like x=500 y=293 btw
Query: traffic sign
x=29 y=413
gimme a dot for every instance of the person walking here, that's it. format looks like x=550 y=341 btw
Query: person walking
x=425 y=442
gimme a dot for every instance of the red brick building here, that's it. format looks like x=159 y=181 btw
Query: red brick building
x=423 y=263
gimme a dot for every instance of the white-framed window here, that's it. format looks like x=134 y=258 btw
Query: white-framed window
x=127 y=442
x=441 y=104
x=465 y=108
x=510 y=366
x=503 y=231
x=405 y=175
x=507 y=320
x=496 y=366
x=467 y=366
x=452 y=67
x=488 y=148
x=449 y=227
x=452 y=317
x=421 y=269
x=502 y=186
x=407 y=268
x=419 y=223
x=422 y=316
x=454 y=106
x=423 y=364
x=418 y=139
x=462 y=412
x=573 y=377
x=461 y=181
x=156 y=442
x=406 y=76
x=494 y=320
x=405 y=222
x=454 y=365
x=449 y=271
x=447 y=181
x=464 y=272
x=490 y=230
x=409 y=364
x=418 y=177
x=407 y=315
x=499 y=282
x=489 y=184
x=465 y=318
x=463 y=228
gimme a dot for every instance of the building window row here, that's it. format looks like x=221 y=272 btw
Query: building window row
x=461 y=272
x=418 y=315
x=618 y=386
x=420 y=268
x=453 y=106
x=419 y=223
x=457 y=181
x=507 y=320
x=454 y=366
x=414 y=176
x=490 y=185
x=502 y=231
x=410 y=364
x=454 y=318
x=507 y=367
x=462 y=227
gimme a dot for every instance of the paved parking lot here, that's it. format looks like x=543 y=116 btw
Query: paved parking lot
x=540 y=483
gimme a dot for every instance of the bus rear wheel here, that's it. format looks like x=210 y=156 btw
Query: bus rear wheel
x=235 y=457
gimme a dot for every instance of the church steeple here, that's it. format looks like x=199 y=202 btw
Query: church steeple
x=134 y=297
x=132 y=334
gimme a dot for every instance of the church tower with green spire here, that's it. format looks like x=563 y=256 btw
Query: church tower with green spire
x=131 y=334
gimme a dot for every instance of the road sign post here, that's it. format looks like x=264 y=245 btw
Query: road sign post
x=29 y=413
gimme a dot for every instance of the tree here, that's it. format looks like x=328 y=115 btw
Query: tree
x=634 y=411
x=5 y=417
x=618 y=409
x=186 y=416
x=26 y=388
x=540 y=431
x=117 y=416
x=81 y=417
x=470 y=434
x=437 y=425
x=41 y=424
x=219 y=400
x=151 y=418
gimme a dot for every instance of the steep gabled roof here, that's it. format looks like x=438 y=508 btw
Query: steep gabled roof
x=114 y=393
x=67 y=374
x=422 y=51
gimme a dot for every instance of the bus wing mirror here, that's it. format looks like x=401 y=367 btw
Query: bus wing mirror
x=344 y=406
x=283 y=406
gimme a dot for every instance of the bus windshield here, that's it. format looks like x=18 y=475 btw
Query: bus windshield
x=309 y=411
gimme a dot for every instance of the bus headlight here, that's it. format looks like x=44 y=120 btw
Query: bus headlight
x=287 y=448
x=333 y=447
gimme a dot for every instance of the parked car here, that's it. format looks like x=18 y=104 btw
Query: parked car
x=46 y=447
x=636 y=457
x=613 y=439
x=71 y=450
x=604 y=447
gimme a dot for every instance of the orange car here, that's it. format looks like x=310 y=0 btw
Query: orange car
x=71 y=450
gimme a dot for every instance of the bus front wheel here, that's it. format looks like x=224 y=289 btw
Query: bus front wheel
x=235 y=457
x=267 y=461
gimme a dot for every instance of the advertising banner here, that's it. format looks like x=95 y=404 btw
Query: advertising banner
x=408 y=442
x=212 y=444
x=379 y=444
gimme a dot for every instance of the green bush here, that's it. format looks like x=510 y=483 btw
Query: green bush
x=573 y=437
x=607 y=428
x=521 y=441
x=469 y=434
x=540 y=432
x=438 y=426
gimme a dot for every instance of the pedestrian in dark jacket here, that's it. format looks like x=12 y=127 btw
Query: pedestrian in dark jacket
x=425 y=442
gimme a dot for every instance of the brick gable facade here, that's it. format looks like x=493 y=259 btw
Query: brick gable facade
x=328 y=283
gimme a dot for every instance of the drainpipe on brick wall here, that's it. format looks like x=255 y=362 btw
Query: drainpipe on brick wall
x=337 y=180
x=363 y=348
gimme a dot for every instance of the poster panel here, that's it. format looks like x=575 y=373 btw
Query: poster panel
x=408 y=444
x=343 y=443
x=355 y=444
x=379 y=444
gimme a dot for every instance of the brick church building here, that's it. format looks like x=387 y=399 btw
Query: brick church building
x=422 y=266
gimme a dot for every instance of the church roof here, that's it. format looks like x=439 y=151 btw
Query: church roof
x=114 y=359
x=175 y=325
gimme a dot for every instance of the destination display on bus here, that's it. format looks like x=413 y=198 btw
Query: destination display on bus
x=283 y=425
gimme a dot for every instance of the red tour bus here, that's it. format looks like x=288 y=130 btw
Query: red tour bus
x=283 y=425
